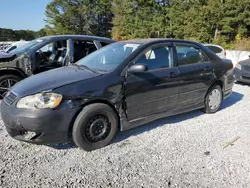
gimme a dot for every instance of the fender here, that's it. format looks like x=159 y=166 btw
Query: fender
x=13 y=69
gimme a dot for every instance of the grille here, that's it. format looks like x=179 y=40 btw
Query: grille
x=246 y=68
x=10 y=98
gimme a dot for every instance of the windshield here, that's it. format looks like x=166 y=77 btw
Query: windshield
x=26 y=47
x=108 y=58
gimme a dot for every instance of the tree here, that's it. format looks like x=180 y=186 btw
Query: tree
x=209 y=21
x=16 y=35
x=139 y=18
x=79 y=17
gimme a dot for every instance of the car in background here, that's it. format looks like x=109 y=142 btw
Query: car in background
x=15 y=45
x=116 y=88
x=242 y=71
x=4 y=46
x=220 y=51
x=44 y=54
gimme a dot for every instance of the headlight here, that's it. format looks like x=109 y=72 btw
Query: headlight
x=40 y=100
x=238 y=66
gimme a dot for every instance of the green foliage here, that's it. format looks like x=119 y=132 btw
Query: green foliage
x=79 y=17
x=206 y=21
x=16 y=35
x=139 y=19
x=223 y=22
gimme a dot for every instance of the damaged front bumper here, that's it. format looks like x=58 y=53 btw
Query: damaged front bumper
x=39 y=126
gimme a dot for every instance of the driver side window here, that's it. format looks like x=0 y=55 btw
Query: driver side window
x=51 y=56
x=156 y=58
x=54 y=51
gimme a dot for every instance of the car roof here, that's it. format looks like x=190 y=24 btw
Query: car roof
x=85 y=37
x=156 y=40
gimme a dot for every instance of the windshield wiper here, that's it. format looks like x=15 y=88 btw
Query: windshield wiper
x=86 y=67
x=101 y=70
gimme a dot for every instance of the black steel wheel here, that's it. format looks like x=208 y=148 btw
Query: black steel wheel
x=95 y=127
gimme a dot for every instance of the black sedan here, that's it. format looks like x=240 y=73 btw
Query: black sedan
x=44 y=54
x=121 y=86
x=242 y=71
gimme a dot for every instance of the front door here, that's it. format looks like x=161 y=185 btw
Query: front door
x=196 y=73
x=156 y=90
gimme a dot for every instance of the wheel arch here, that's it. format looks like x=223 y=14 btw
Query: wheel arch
x=12 y=71
x=101 y=101
x=216 y=82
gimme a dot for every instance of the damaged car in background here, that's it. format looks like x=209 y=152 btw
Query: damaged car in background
x=44 y=54
x=119 y=87
x=242 y=71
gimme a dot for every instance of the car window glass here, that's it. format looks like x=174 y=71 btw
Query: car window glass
x=150 y=54
x=108 y=58
x=215 y=49
x=189 y=55
x=156 y=58
x=26 y=47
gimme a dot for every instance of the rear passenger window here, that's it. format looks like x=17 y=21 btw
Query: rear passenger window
x=215 y=49
x=156 y=58
x=189 y=55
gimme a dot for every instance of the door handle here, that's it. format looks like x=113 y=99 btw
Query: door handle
x=173 y=75
x=208 y=68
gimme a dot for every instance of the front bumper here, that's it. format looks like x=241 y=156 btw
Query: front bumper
x=40 y=126
x=242 y=76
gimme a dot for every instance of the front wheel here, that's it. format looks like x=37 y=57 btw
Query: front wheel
x=213 y=100
x=95 y=127
x=6 y=83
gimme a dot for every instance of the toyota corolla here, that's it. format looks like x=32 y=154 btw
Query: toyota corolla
x=121 y=86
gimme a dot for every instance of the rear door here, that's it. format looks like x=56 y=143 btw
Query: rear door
x=196 y=73
x=156 y=90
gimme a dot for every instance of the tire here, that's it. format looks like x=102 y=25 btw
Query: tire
x=91 y=120
x=210 y=109
x=3 y=80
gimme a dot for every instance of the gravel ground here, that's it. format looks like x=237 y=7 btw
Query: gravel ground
x=187 y=150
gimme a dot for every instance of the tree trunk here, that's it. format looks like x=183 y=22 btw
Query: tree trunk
x=216 y=32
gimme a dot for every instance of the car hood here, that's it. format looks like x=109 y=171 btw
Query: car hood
x=51 y=80
x=5 y=55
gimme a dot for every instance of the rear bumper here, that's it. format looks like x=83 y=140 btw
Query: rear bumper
x=228 y=84
x=39 y=126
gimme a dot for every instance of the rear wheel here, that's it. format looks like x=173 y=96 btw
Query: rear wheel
x=95 y=127
x=6 y=83
x=213 y=99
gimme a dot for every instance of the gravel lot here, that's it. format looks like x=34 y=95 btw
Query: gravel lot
x=182 y=151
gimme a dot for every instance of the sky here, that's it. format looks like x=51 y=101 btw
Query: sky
x=23 y=14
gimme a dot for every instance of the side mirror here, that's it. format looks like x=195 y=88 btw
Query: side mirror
x=137 y=68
